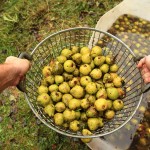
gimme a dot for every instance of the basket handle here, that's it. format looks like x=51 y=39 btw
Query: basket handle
x=145 y=87
x=21 y=84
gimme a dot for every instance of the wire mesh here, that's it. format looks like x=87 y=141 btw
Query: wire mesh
x=51 y=47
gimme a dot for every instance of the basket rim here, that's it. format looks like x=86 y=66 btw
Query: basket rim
x=82 y=28
x=73 y=135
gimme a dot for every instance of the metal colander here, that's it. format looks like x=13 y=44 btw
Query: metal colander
x=51 y=47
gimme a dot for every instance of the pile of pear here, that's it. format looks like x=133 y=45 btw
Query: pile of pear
x=81 y=89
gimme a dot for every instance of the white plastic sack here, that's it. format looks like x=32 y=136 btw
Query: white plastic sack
x=138 y=8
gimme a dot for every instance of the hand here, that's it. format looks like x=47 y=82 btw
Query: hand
x=13 y=71
x=20 y=68
x=144 y=66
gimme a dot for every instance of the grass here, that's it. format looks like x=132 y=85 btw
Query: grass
x=25 y=23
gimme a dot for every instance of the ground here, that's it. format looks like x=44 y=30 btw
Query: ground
x=23 y=24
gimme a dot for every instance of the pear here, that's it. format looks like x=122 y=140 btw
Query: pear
x=75 y=49
x=56 y=96
x=86 y=58
x=76 y=72
x=66 y=98
x=46 y=71
x=91 y=98
x=101 y=123
x=61 y=59
x=56 y=68
x=121 y=92
x=50 y=110
x=69 y=66
x=78 y=114
x=91 y=112
x=50 y=79
x=96 y=73
x=77 y=58
x=42 y=89
x=83 y=116
x=112 y=93
x=118 y=104
x=96 y=51
x=64 y=88
x=104 y=68
x=65 y=125
x=53 y=87
x=74 y=81
x=77 y=91
x=85 y=103
x=93 y=123
x=101 y=104
x=114 y=68
x=66 y=52
x=101 y=93
x=69 y=115
x=86 y=132
x=59 y=79
x=92 y=65
x=99 y=84
x=67 y=76
x=107 y=78
x=143 y=141
x=58 y=119
x=43 y=99
x=85 y=50
x=109 y=103
x=91 y=88
x=74 y=104
x=74 y=126
x=85 y=80
x=107 y=85
x=60 y=107
x=117 y=82
x=99 y=60
x=100 y=43
x=109 y=59
x=109 y=114
x=85 y=69
x=113 y=75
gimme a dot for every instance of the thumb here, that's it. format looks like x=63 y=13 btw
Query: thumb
x=141 y=62
x=26 y=65
x=147 y=61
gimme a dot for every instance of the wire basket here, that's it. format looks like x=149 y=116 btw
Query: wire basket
x=51 y=47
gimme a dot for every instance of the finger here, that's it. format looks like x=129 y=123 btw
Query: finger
x=141 y=63
x=26 y=66
x=144 y=70
x=10 y=59
x=147 y=80
x=146 y=77
x=147 y=61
